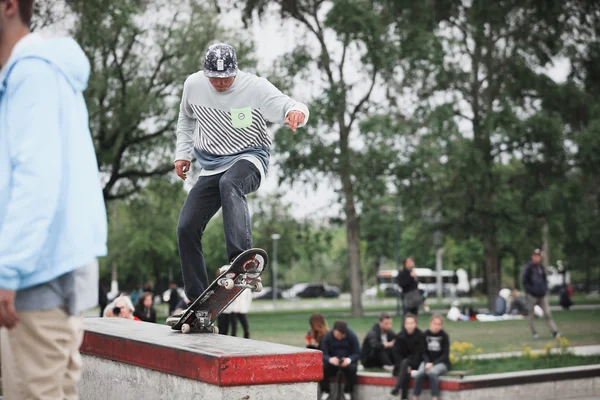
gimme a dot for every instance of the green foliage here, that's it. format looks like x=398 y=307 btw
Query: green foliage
x=141 y=53
x=143 y=235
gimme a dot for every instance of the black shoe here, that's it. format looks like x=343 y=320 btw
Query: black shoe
x=395 y=392
x=556 y=335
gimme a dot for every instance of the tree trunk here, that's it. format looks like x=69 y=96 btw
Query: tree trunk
x=490 y=251
x=516 y=274
x=353 y=245
x=588 y=274
x=499 y=272
x=546 y=243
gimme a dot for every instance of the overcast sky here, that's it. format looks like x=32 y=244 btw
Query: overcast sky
x=272 y=39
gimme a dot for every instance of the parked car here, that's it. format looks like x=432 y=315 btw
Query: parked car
x=311 y=291
x=267 y=294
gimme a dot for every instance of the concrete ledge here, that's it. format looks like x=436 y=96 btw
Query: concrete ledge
x=104 y=379
x=492 y=380
x=556 y=383
x=213 y=359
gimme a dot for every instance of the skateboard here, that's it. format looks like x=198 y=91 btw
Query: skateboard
x=241 y=275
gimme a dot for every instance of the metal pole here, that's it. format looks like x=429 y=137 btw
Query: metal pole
x=398 y=256
x=438 y=264
x=275 y=238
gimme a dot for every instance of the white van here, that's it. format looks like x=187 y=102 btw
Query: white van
x=454 y=283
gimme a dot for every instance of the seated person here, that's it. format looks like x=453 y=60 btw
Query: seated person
x=454 y=313
x=341 y=351
x=316 y=333
x=121 y=307
x=408 y=350
x=500 y=307
x=377 y=348
x=436 y=358
x=565 y=296
x=144 y=309
x=518 y=305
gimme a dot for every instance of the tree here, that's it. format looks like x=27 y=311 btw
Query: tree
x=475 y=72
x=338 y=34
x=143 y=234
x=141 y=53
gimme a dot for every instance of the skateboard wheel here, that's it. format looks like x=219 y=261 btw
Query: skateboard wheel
x=214 y=329
x=228 y=284
x=185 y=328
x=258 y=287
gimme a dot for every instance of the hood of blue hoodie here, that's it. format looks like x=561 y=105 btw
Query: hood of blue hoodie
x=64 y=54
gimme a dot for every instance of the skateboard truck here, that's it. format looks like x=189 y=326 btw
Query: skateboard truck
x=240 y=282
x=200 y=324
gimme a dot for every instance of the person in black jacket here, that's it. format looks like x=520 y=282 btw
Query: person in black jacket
x=535 y=283
x=102 y=298
x=341 y=351
x=377 y=348
x=436 y=357
x=408 y=350
x=407 y=280
x=173 y=297
x=144 y=309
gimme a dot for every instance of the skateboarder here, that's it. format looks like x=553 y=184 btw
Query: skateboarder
x=223 y=124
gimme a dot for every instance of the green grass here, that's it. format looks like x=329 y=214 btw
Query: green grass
x=512 y=364
x=581 y=327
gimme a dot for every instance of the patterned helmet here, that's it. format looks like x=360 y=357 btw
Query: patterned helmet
x=220 y=61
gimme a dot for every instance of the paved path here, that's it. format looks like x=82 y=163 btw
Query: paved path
x=577 y=350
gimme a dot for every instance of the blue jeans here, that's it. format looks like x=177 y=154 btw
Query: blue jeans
x=227 y=190
x=433 y=375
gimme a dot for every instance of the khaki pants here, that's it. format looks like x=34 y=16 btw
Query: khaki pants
x=532 y=301
x=40 y=356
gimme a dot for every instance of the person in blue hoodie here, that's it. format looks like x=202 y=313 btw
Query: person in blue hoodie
x=52 y=213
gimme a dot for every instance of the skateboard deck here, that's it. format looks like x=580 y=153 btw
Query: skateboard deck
x=241 y=275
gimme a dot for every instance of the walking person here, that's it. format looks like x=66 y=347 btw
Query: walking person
x=535 y=283
x=52 y=216
x=411 y=295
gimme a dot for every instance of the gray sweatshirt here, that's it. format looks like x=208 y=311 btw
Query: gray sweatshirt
x=222 y=128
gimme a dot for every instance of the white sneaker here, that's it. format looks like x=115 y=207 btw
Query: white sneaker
x=347 y=396
x=388 y=368
x=223 y=269
x=325 y=396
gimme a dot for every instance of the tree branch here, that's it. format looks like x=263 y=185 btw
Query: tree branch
x=151 y=136
x=132 y=173
x=365 y=98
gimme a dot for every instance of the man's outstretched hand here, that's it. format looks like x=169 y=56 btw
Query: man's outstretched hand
x=182 y=167
x=8 y=314
x=293 y=119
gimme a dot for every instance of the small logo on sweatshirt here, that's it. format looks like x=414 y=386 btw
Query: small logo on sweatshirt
x=241 y=116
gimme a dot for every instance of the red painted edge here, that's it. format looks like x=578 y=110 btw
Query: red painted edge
x=288 y=368
x=222 y=371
